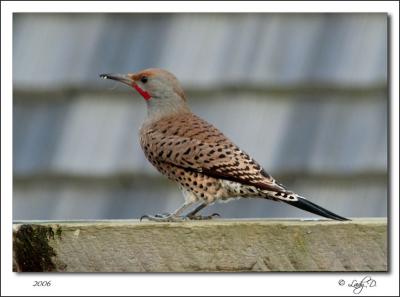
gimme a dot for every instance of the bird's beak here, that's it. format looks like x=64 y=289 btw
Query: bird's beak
x=124 y=78
x=128 y=79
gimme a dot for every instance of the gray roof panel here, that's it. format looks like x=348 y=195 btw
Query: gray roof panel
x=203 y=50
x=97 y=135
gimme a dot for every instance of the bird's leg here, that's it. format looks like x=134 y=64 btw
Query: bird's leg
x=169 y=217
x=192 y=215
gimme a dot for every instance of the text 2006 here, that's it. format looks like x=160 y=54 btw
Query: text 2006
x=41 y=283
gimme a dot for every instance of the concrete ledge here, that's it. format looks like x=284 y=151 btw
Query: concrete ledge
x=197 y=246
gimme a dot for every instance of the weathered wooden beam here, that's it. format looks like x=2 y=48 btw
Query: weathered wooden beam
x=217 y=245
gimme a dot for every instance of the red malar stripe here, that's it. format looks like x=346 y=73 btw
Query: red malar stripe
x=142 y=92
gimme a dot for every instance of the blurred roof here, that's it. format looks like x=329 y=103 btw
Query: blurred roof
x=93 y=135
x=203 y=50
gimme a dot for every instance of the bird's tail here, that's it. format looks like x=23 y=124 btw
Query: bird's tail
x=306 y=205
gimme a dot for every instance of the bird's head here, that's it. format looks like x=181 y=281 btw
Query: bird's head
x=158 y=87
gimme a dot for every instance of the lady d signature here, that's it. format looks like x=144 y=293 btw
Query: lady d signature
x=358 y=286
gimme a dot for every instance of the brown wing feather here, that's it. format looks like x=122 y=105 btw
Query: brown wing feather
x=188 y=141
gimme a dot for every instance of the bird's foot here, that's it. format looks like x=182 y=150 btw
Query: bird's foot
x=199 y=217
x=164 y=217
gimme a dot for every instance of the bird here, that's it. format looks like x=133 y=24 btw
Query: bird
x=205 y=164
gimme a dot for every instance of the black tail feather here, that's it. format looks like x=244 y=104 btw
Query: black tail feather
x=306 y=205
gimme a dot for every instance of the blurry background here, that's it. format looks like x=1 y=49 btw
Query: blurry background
x=304 y=94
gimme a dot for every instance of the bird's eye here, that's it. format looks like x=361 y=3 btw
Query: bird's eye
x=144 y=79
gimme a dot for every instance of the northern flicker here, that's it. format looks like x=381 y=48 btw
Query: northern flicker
x=206 y=165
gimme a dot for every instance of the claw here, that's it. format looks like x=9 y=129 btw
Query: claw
x=198 y=217
x=165 y=217
x=158 y=216
x=142 y=217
